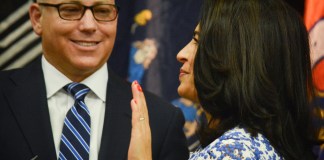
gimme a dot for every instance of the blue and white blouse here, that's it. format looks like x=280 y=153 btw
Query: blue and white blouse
x=237 y=144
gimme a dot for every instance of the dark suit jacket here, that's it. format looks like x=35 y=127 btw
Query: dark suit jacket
x=25 y=129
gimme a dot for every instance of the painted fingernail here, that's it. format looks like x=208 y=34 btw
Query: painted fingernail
x=139 y=88
x=135 y=82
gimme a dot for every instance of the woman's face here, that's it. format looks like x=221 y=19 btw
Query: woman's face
x=186 y=56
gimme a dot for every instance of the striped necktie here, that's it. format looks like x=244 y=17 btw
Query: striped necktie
x=75 y=139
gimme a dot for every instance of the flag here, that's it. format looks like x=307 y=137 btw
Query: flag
x=314 y=21
x=18 y=43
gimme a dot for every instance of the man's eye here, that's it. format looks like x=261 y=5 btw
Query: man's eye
x=103 y=10
x=71 y=8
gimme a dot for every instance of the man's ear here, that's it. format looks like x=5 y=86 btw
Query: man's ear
x=35 y=16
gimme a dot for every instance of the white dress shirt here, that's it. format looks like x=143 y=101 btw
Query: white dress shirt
x=59 y=102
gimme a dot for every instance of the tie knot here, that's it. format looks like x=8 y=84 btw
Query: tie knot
x=77 y=90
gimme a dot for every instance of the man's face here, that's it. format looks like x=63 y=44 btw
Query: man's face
x=76 y=48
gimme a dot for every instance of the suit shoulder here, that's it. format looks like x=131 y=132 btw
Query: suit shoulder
x=159 y=106
x=5 y=75
x=20 y=73
x=153 y=98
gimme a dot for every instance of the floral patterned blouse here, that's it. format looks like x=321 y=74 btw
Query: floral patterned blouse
x=237 y=144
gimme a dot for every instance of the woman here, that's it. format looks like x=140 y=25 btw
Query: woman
x=248 y=66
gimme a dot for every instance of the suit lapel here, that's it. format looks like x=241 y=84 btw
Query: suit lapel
x=27 y=97
x=117 y=123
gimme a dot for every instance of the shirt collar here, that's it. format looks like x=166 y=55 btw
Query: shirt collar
x=55 y=80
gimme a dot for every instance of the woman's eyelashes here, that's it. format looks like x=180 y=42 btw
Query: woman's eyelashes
x=195 y=39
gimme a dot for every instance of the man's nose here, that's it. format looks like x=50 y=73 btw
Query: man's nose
x=88 y=21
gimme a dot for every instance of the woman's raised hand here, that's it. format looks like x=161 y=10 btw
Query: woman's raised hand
x=140 y=147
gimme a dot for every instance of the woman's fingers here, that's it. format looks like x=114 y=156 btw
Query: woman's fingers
x=143 y=107
x=138 y=103
x=140 y=143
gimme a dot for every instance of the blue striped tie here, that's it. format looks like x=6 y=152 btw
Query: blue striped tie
x=75 y=139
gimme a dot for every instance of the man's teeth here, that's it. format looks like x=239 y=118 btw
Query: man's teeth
x=86 y=43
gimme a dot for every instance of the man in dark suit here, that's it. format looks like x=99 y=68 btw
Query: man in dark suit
x=77 y=39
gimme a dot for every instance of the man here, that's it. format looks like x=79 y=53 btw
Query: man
x=77 y=39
